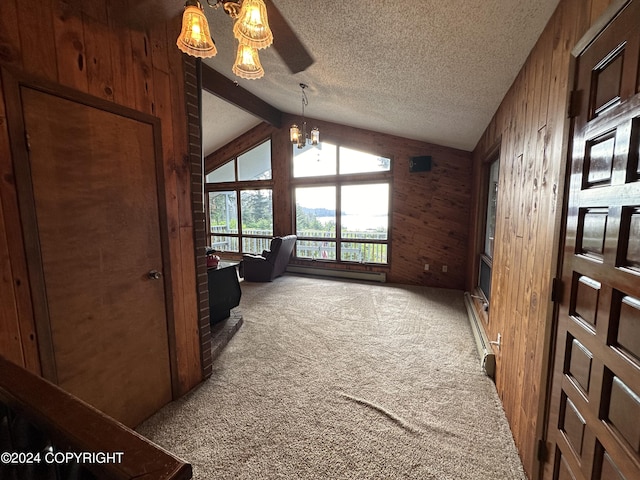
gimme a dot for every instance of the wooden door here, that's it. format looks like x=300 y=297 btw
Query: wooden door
x=594 y=419
x=89 y=194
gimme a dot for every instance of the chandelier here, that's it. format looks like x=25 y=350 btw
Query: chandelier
x=301 y=137
x=251 y=28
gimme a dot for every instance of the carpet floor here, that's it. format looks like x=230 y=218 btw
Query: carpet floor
x=331 y=379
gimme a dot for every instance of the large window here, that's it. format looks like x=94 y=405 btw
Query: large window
x=486 y=256
x=342 y=204
x=240 y=206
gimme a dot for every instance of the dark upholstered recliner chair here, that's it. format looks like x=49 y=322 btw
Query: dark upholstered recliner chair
x=272 y=262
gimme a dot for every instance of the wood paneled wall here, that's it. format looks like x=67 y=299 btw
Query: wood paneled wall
x=531 y=128
x=430 y=210
x=85 y=45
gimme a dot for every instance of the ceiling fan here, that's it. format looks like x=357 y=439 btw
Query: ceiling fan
x=286 y=42
x=255 y=22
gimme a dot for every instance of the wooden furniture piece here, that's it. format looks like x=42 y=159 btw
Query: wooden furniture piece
x=224 y=290
x=37 y=417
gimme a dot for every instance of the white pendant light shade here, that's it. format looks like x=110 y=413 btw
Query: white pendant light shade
x=247 y=63
x=195 y=39
x=294 y=133
x=315 y=136
x=252 y=26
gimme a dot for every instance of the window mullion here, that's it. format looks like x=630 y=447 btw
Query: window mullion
x=338 y=222
x=239 y=210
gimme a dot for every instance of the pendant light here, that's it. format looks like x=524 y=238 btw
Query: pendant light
x=251 y=28
x=195 y=39
x=247 y=64
x=301 y=137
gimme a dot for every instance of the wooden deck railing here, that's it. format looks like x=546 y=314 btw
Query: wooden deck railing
x=356 y=246
x=47 y=433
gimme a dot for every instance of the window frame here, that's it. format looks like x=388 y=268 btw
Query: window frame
x=238 y=186
x=339 y=180
x=484 y=260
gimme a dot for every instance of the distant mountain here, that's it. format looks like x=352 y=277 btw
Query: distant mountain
x=317 y=212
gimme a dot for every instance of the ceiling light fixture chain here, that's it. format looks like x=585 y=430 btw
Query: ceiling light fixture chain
x=302 y=137
x=251 y=29
x=305 y=100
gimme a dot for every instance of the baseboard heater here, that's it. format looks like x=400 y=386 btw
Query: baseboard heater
x=487 y=357
x=330 y=272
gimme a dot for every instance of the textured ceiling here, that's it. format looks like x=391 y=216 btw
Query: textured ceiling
x=222 y=122
x=423 y=69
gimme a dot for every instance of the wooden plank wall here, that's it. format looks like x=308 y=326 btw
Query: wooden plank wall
x=430 y=210
x=531 y=127
x=85 y=46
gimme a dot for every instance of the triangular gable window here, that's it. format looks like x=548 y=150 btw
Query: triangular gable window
x=253 y=165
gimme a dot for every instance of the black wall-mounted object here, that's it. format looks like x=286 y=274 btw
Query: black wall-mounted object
x=420 y=164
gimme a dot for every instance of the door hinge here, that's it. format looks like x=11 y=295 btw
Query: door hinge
x=543 y=452
x=575 y=103
x=26 y=141
x=556 y=290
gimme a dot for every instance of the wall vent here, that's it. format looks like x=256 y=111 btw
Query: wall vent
x=487 y=357
x=331 y=272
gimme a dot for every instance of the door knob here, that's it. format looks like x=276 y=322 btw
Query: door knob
x=154 y=274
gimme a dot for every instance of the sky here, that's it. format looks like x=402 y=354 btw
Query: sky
x=367 y=200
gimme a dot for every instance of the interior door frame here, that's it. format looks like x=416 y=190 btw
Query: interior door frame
x=12 y=82
x=544 y=456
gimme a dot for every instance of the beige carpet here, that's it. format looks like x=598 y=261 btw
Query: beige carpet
x=331 y=379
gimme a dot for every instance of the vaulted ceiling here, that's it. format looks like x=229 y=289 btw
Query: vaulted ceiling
x=422 y=69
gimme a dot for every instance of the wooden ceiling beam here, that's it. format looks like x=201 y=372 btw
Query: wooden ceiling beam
x=217 y=84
